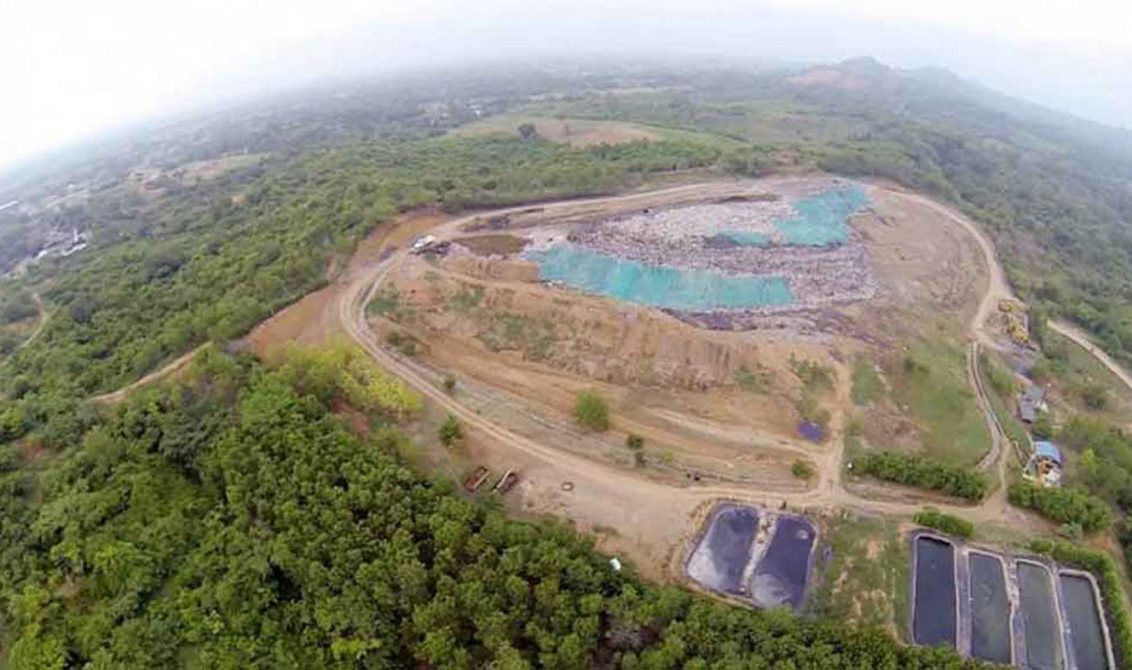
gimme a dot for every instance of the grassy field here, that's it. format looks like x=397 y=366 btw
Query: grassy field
x=930 y=384
x=867 y=384
x=1074 y=369
x=865 y=579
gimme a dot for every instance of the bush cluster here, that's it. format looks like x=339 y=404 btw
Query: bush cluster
x=945 y=523
x=1063 y=505
x=923 y=472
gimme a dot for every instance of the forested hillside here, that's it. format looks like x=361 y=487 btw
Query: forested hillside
x=229 y=521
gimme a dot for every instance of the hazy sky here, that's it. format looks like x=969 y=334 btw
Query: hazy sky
x=72 y=68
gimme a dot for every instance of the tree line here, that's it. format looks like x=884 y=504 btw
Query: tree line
x=923 y=472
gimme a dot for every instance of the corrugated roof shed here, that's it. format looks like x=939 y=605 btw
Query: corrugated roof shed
x=1048 y=450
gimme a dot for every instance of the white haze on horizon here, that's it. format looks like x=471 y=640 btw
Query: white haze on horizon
x=71 y=69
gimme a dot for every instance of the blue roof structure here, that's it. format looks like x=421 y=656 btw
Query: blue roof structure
x=1048 y=450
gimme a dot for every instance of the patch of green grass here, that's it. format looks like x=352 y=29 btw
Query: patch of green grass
x=815 y=377
x=867 y=384
x=753 y=381
x=865 y=580
x=1001 y=398
x=931 y=384
x=387 y=301
x=534 y=337
x=1076 y=373
x=467 y=298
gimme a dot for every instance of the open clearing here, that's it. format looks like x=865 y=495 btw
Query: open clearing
x=721 y=427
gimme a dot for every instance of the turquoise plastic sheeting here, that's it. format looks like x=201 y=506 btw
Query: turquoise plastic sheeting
x=657 y=286
x=822 y=220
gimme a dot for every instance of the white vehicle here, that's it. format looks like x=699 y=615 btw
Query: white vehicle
x=422 y=242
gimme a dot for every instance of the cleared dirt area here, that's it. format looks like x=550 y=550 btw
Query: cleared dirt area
x=575 y=132
x=708 y=435
x=313 y=319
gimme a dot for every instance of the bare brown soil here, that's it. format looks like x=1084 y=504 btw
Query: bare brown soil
x=486 y=245
x=313 y=320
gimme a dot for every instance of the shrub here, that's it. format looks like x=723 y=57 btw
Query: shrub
x=811 y=410
x=802 y=469
x=449 y=384
x=636 y=444
x=402 y=342
x=867 y=384
x=751 y=380
x=1042 y=427
x=591 y=411
x=450 y=430
x=813 y=375
x=924 y=472
x=1063 y=505
x=945 y=523
x=1094 y=396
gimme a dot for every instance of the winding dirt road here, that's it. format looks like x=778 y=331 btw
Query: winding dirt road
x=1082 y=338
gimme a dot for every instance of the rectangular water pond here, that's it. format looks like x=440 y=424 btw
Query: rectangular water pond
x=990 y=609
x=780 y=579
x=1039 y=616
x=657 y=285
x=723 y=553
x=1087 y=637
x=933 y=609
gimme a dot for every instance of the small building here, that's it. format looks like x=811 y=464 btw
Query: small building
x=1030 y=402
x=1046 y=464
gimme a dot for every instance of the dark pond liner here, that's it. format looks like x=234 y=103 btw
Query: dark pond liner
x=780 y=579
x=1039 y=616
x=728 y=543
x=1088 y=640
x=811 y=431
x=934 y=606
x=990 y=609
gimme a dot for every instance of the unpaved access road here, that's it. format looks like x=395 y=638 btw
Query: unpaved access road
x=1082 y=338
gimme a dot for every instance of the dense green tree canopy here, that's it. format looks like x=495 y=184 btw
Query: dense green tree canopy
x=230 y=521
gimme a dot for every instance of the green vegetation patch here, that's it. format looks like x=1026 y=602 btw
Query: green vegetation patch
x=1068 y=506
x=230 y=520
x=931 y=383
x=1000 y=382
x=591 y=411
x=945 y=523
x=757 y=380
x=815 y=377
x=466 y=298
x=535 y=337
x=865 y=580
x=867 y=384
x=923 y=472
